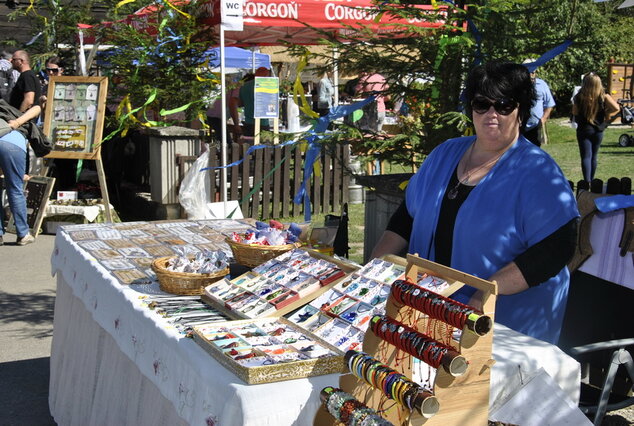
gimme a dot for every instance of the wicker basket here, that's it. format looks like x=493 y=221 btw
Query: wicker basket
x=252 y=255
x=183 y=282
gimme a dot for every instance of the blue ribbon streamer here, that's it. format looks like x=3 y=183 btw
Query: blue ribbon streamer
x=552 y=53
x=314 y=147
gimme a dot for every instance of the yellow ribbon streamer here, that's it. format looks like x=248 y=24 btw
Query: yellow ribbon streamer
x=31 y=8
x=298 y=90
x=317 y=167
x=203 y=120
x=186 y=15
x=123 y=2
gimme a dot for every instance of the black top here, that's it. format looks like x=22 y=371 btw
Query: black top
x=28 y=82
x=537 y=264
x=584 y=124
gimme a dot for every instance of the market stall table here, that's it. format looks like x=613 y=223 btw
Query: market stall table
x=59 y=213
x=113 y=361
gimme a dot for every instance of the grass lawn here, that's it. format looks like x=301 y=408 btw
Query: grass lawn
x=614 y=161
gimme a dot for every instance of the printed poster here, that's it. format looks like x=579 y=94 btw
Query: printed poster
x=267 y=95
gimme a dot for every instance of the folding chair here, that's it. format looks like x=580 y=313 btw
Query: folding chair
x=600 y=401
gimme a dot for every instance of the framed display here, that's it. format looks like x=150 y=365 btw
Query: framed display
x=74 y=116
x=74 y=120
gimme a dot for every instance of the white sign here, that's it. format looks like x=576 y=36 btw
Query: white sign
x=231 y=15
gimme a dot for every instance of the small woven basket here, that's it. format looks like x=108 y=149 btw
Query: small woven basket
x=252 y=255
x=183 y=282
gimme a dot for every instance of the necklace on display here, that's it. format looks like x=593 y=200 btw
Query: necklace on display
x=453 y=192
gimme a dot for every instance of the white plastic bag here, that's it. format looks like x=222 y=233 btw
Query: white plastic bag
x=194 y=193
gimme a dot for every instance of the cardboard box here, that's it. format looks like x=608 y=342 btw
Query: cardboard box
x=66 y=195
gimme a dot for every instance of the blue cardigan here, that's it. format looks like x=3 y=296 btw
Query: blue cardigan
x=523 y=199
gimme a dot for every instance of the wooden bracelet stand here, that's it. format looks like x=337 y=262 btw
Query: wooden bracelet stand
x=463 y=399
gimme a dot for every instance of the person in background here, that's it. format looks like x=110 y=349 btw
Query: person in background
x=325 y=93
x=246 y=99
x=535 y=127
x=214 y=116
x=374 y=112
x=495 y=206
x=8 y=75
x=63 y=170
x=592 y=110
x=13 y=145
x=27 y=89
x=53 y=68
x=234 y=103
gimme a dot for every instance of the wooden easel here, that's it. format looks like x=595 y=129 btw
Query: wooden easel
x=462 y=399
x=92 y=126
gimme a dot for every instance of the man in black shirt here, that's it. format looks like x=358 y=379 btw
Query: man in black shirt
x=27 y=89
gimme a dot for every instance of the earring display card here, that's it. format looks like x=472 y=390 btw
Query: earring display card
x=341 y=315
x=127 y=250
x=278 y=286
x=268 y=350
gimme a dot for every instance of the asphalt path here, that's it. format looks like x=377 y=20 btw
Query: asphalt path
x=27 y=300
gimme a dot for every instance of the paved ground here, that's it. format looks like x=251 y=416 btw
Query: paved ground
x=27 y=298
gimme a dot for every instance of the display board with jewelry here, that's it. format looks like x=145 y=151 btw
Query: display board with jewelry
x=268 y=350
x=418 y=325
x=342 y=314
x=277 y=286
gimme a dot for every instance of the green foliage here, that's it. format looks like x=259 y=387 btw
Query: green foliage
x=424 y=64
x=167 y=63
x=426 y=69
x=519 y=30
x=170 y=65
x=52 y=25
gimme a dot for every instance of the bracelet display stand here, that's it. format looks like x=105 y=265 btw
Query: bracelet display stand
x=460 y=387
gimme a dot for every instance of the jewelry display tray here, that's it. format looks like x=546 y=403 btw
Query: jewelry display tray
x=277 y=372
x=238 y=315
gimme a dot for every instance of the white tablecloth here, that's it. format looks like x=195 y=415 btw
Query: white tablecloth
x=606 y=261
x=115 y=362
x=89 y=212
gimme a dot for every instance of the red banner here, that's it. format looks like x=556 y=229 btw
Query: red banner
x=321 y=14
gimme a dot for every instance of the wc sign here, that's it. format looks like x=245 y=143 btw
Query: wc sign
x=231 y=14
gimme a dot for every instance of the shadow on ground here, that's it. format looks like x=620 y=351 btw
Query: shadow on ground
x=24 y=393
x=31 y=308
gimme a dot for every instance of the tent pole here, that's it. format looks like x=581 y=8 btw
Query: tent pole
x=223 y=99
x=335 y=74
x=82 y=57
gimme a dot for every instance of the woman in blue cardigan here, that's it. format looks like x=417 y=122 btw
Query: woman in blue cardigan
x=495 y=206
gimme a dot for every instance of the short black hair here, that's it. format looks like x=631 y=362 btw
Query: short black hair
x=496 y=80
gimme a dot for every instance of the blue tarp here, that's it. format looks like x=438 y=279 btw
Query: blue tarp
x=236 y=57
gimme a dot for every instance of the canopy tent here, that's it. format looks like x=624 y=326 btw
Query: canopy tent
x=274 y=22
x=277 y=22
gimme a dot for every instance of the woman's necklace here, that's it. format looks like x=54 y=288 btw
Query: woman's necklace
x=453 y=192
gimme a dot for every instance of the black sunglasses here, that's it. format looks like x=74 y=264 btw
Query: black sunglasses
x=503 y=106
x=53 y=70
